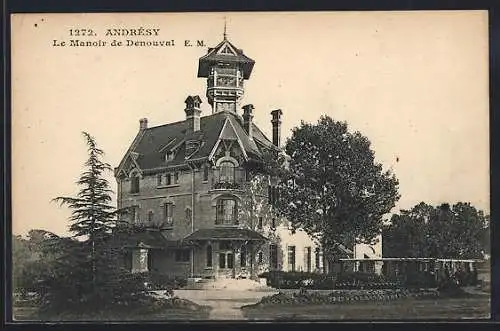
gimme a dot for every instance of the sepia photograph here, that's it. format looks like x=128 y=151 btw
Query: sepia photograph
x=250 y=166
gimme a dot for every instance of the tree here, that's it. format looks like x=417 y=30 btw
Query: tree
x=33 y=258
x=89 y=275
x=459 y=231
x=333 y=188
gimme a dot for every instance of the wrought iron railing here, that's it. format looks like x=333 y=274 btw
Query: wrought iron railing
x=228 y=181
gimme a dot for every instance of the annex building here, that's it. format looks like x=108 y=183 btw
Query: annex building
x=191 y=186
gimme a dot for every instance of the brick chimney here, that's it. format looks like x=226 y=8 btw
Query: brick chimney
x=193 y=113
x=247 y=119
x=143 y=124
x=276 y=122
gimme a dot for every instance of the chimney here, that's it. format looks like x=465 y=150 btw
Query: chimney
x=276 y=122
x=193 y=113
x=247 y=119
x=143 y=124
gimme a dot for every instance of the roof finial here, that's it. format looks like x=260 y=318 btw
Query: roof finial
x=225 y=28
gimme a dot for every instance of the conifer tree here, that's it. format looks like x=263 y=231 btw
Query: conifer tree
x=89 y=274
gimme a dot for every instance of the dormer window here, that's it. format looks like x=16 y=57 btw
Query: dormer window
x=170 y=155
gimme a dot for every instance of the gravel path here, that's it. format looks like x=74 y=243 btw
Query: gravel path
x=226 y=304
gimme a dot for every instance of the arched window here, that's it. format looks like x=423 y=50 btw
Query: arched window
x=150 y=216
x=226 y=169
x=227 y=211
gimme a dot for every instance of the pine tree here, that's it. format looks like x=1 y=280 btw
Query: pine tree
x=88 y=275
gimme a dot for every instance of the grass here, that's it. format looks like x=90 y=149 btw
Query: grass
x=30 y=314
x=477 y=307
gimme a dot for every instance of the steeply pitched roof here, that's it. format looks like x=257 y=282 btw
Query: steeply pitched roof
x=224 y=233
x=214 y=55
x=156 y=141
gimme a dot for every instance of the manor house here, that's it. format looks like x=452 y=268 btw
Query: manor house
x=192 y=186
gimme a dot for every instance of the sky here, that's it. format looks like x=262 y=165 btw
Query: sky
x=414 y=83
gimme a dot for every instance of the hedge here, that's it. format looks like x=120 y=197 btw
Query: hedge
x=345 y=280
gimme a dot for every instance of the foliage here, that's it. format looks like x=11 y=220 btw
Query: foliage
x=440 y=232
x=33 y=258
x=88 y=274
x=344 y=280
x=341 y=296
x=333 y=188
x=159 y=281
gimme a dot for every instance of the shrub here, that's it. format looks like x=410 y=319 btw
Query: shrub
x=420 y=280
x=159 y=281
x=345 y=280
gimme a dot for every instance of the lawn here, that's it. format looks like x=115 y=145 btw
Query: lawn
x=477 y=307
x=29 y=314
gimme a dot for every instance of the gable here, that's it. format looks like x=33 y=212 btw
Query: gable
x=150 y=147
x=227 y=49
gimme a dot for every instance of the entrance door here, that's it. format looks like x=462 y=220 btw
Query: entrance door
x=226 y=260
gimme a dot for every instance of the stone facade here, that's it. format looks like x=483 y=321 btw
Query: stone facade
x=196 y=184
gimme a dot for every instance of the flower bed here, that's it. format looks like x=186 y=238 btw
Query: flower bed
x=344 y=296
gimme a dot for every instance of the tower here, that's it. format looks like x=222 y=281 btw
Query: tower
x=226 y=68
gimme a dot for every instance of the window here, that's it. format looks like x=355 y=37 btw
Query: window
x=168 y=213
x=205 y=174
x=291 y=258
x=273 y=223
x=243 y=256
x=308 y=255
x=150 y=216
x=209 y=256
x=168 y=179
x=226 y=212
x=182 y=255
x=261 y=257
x=273 y=256
x=259 y=225
x=272 y=195
x=134 y=184
x=318 y=254
x=176 y=178
x=150 y=260
x=170 y=155
x=226 y=172
x=222 y=260
x=134 y=214
x=230 y=260
x=188 y=214
x=159 y=179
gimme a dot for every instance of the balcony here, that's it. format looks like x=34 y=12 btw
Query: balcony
x=228 y=180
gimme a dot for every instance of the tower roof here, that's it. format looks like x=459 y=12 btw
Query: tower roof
x=225 y=52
